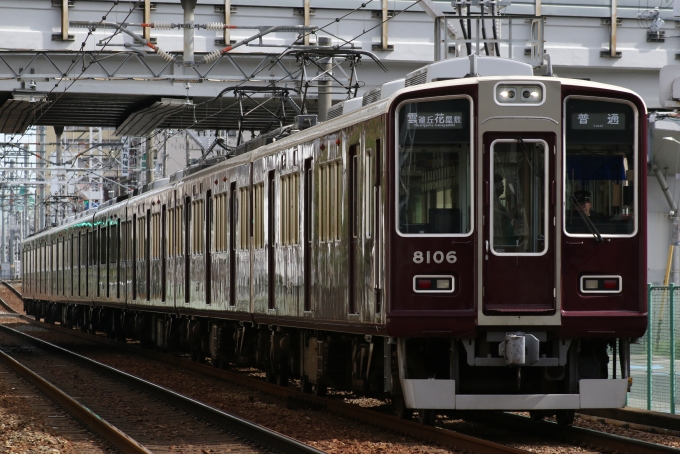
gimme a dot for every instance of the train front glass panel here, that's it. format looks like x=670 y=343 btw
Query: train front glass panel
x=600 y=168
x=519 y=216
x=434 y=168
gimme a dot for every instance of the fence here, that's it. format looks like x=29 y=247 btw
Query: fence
x=653 y=366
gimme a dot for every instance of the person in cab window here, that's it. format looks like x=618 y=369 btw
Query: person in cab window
x=582 y=205
x=503 y=231
x=584 y=202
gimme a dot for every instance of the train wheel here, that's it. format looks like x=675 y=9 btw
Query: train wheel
x=319 y=389
x=400 y=408
x=305 y=385
x=537 y=415
x=269 y=375
x=565 y=417
x=426 y=417
x=282 y=378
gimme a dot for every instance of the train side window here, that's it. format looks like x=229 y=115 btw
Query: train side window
x=290 y=191
x=113 y=243
x=433 y=168
x=179 y=238
x=283 y=207
x=258 y=212
x=368 y=192
x=337 y=202
x=102 y=245
x=295 y=209
x=197 y=227
x=171 y=232
x=244 y=217
x=216 y=212
x=323 y=202
x=600 y=168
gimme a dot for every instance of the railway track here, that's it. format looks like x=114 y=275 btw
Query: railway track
x=134 y=415
x=434 y=434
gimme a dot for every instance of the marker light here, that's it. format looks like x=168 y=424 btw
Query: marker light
x=610 y=284
x=424 y=284
x=591 y=284
x=443 y=284
x=601 y=284
x=433 y=284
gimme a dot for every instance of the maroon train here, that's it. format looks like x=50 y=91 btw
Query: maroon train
x=456 y=242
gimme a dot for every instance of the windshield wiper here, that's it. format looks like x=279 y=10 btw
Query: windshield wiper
x=586 y=218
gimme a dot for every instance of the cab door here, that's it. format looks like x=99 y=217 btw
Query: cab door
x=518 y=224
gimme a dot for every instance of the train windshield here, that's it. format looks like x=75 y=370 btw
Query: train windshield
x=600 y=176
x=433 y=167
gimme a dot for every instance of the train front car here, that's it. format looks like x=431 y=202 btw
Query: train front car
x=516 y=261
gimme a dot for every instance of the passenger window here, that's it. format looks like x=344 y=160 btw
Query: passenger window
x=433 y=167
x=290 y=191
x=600 y=174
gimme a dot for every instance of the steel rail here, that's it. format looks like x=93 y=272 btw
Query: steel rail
x=635 y=416
x=589 y=437
x=6 y=307
x=388 y=422
x=406 y=427
x=198 y=409
x=97 y=424
x=12 y=289
x=392 y=423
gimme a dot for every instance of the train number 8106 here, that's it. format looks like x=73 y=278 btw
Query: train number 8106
x=436 y=257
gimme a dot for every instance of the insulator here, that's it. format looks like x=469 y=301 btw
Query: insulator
x=164 y=55
x=212 y=56
x=215 y=26
x=162 y=25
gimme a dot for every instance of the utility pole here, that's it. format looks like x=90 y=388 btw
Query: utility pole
x=58 y=132
x=150 y=151
x=26 y=175
x=188 y=153
x=40 y=200
x=165 y=154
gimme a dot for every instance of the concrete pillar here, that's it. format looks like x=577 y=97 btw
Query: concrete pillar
x=325 y=86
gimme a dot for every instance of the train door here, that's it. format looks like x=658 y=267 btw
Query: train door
x=307 y=233
x=354 y=216
x=147 y=254
x=271 y=237
x=208 y=247
x=232 y=244
x=187 y=250
x=164 y=253
x=518 y=230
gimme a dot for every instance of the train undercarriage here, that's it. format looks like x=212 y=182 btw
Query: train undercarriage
x=366 y=365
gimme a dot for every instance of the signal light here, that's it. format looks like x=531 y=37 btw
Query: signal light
x=610 y=284
x=424 y=284
x=433 y=284
x=601 y=284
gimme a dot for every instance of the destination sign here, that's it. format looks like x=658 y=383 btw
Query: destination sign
x=434 y=120
x=599 y=120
